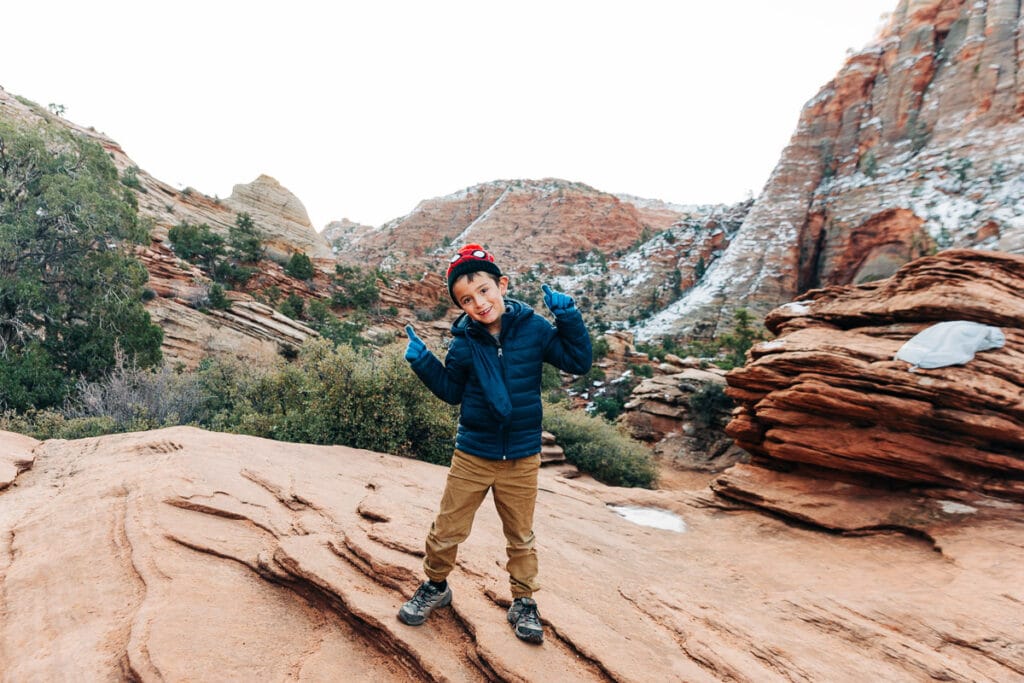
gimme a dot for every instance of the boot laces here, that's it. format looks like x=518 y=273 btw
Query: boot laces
x=528 y=614
x=424 y=594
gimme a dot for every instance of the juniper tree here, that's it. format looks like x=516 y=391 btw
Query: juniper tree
x=70 y=291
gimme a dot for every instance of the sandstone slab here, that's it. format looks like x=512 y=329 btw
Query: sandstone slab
x=181 y=554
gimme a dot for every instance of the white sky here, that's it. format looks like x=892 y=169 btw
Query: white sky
x=362 y=109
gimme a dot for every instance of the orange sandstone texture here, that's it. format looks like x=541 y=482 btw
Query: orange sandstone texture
x=827 y=392
x=181 y=554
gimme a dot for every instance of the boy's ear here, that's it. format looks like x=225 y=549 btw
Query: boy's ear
x=503 y=284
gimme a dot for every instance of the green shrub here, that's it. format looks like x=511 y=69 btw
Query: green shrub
x=48 y=424
x=229 y=271
x=600 y=449
x=585 y=382
x=610 y=400
x=323 y=320
x=642 y=370
x=608 y=407
x=197 y=244
x=293 y=306
x=271 y=295
x=355 y=288
x=299 y=266
x=868 y=164
x=550 y=378
x=665 y=346
x=338 y=395
x=737 y=342
x=29 y=377
x=439 y=310
x=225 y=386
x=709 y=404
x=244 y=239
x=218 y=299
x=221 y=259
x=130 y=178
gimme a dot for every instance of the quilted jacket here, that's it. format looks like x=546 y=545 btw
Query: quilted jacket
x=497 y=380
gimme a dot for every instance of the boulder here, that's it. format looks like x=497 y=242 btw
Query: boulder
x=550 y=451
x=659 y=413
x=828 y=393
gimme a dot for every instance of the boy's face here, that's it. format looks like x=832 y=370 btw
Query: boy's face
x=482 y=297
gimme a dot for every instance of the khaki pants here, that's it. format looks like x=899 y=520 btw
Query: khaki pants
x=514 y=486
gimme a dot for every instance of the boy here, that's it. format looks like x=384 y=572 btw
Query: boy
x=493 y=368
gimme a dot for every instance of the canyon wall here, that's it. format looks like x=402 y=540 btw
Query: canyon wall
x=917 y=145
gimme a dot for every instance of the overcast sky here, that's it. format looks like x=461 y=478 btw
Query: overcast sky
x=362 y=109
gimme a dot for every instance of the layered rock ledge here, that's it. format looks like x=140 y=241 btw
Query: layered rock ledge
x=827 y=393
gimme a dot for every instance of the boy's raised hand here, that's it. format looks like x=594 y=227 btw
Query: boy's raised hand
x=557 y=302
x=416 y=348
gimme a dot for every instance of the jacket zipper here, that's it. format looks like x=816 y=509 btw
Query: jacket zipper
x=504 y=376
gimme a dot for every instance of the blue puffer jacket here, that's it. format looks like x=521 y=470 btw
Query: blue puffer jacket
x=497 y=381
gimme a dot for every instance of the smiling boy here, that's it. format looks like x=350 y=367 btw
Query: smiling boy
x=493 y=369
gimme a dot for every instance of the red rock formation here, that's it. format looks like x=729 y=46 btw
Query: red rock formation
x=659 y=412
x=621 y=257
x=523 y=222
x=250 y=329
x=916 y=144
x=169 y=276
x=180 y=554
x=828 y=394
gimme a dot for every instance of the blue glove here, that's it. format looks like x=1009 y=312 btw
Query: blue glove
x=416 y=348
x=557 y=302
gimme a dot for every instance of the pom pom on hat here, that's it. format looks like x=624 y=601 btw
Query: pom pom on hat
x=469 y=259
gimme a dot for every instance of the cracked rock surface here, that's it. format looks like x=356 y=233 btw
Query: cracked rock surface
x=186 y=555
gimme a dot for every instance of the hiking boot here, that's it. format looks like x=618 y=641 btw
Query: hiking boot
x=525 y=620
x=423 y=602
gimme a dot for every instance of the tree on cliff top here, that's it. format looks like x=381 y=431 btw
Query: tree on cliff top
x=69 y=292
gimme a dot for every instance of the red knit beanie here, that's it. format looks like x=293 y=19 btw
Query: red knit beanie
x=469 y=259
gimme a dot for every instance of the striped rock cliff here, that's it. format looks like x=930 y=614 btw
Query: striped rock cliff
x=280 y=217
x=270 y=204
x=916 y=145
x=249 y=329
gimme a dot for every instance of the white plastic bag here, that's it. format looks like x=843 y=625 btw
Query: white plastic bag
x=950 y=343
